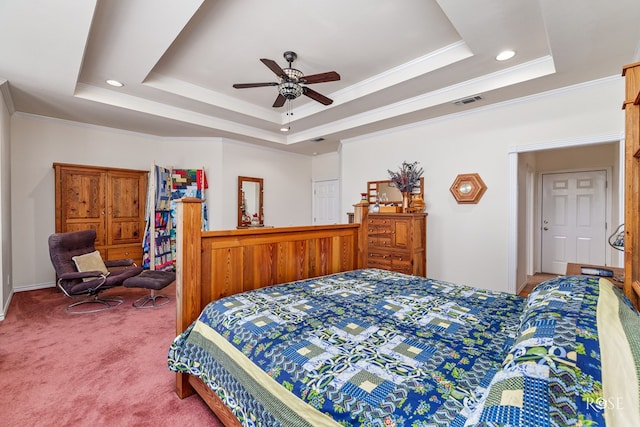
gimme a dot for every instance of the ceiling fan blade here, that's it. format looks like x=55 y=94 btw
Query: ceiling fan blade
x=248 y=85
x=330 y=76
x=280 y=100
x=273 y=66
x=316 y=96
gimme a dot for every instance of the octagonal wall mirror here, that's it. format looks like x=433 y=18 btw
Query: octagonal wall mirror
x=250 y=202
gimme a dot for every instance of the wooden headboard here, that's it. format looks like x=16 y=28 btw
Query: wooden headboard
x=214 y=264
x=631 y=107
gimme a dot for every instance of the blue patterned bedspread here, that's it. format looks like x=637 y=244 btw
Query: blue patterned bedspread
x=378 y=348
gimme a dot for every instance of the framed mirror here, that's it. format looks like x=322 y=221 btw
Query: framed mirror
x=385 y=193
x=468 y=188
x=250 y=193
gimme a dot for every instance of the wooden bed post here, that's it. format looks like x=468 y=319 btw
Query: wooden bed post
x=188 y=273
x=631 y=106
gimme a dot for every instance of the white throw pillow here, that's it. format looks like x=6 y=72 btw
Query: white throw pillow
x=90 y=262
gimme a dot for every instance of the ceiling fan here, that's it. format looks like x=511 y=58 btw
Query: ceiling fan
x=291 y=81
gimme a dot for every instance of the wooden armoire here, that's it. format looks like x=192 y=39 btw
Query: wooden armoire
x=112 y=201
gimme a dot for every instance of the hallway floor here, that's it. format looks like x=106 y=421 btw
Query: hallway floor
x=534 y=280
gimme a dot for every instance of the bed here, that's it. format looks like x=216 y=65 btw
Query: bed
x=283 y=327
x=377 y=348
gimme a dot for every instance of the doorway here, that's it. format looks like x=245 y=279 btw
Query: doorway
x=326 y=202
x=573 y=220
x=526 y=164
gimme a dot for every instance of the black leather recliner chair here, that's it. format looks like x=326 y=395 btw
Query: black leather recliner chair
x=81 y=270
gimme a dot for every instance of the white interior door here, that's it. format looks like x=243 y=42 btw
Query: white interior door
x=326 y=205
x=573 y=219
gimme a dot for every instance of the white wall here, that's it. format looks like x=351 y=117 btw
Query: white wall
x=5 y=200
x=36 y=143
x=326 y=167
x=468 y=244
x=287 y=183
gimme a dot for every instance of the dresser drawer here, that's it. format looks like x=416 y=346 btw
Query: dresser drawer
x=374 y=230
x=380 y=241
x=388 y=261
x=376 y=260
x=402 y=266
x=379 y=222
x=133 y=252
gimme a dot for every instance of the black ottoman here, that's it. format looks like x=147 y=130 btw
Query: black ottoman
x=153 y=280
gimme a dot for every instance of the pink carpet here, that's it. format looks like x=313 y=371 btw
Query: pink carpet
x=99 y=369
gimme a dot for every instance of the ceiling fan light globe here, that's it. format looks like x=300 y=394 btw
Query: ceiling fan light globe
x=293 y=74
x=290 y=90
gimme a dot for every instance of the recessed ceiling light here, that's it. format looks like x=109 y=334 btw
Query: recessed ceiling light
x=115 y=83
x=505 y=54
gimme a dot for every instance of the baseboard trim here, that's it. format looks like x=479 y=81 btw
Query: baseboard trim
x=34 y=287
x=5 y=309
x=521 y=287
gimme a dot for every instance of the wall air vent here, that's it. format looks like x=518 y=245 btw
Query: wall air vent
x=465 y=101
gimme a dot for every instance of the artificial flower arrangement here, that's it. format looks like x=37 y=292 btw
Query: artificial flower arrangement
x=407 y=177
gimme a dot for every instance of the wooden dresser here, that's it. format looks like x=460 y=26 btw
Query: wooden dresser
x=111 y=201
x=397 y=242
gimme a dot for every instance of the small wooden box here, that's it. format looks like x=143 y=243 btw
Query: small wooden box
x=390 y=209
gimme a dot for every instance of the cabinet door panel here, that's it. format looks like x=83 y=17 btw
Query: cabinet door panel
x=125 y=207
x=402 y=236
x=88 y=225
x=84 y=207
x=125 y=232
x=84 y=192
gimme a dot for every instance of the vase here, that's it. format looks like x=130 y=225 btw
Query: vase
x=406 y=201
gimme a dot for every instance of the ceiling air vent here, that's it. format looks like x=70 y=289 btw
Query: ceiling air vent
x=317 y=139
x=465 y=101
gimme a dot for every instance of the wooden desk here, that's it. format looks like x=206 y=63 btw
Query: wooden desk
x=618 y=273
